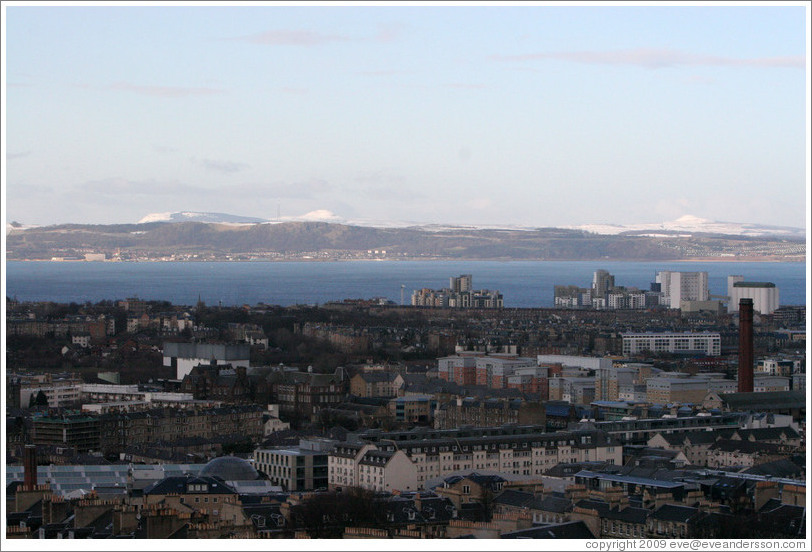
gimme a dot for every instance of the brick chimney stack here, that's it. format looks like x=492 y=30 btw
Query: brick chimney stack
x=745 y=346
x=30 y=467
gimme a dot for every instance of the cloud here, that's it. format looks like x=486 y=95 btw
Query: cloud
x=389 y=32
x=480 y=203
x=17 y=155
x=158 y=148
x=305 y=189
x=466 y=85
x=381 y=73
x=295 y=91
x=384 y=185
x=656 y=58
x=116 y=186
x=289 y=37
x=303 y=37
x=220 y=166
x=166 y=91
x=26 y=191
x=699 y=79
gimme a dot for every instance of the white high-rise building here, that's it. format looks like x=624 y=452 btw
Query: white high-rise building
x=763 y=294
x=682 y=286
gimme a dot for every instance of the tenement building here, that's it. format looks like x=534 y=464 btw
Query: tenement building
x=522 y=454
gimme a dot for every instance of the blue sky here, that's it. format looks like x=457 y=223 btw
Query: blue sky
x=533 y=115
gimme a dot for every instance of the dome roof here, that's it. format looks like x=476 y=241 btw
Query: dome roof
x=230 y=468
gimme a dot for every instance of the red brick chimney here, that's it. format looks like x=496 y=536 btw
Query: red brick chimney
x=745 y=345
x=30 y=467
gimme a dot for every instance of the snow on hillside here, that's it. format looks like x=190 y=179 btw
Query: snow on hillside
x=692 y=224
x=687 y=224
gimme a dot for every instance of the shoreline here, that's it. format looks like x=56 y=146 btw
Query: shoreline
x=431 y=259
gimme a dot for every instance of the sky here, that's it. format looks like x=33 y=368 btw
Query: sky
x=533 y=114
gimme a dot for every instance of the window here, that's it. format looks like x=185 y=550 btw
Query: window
x=466 y=489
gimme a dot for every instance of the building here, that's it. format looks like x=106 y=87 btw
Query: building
x=304 y=394
x=459 y=294
x=183 y=357
x=777 y=367
x=461 y=369
x=574 y=390
x=588 y=363
x=670 y=388
x=602 y=283
x=489 y=413
x=81 y=432
x=494 y=370
x=511 y=450
x=707 y=343
x=375 y=384
x=413 y=409
x=768 y=384
x=365 y=466
x=302 y=468
x=764 y=295
x=682 y=286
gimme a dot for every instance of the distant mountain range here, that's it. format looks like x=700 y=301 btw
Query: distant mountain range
x=219 y=236
x=187 y=216
x=687 y=224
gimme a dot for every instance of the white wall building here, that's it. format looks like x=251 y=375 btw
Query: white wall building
x=185 y=356
x=682 y=286
x=590 y=363
x=764 y=295
x=363 y=465
x=672 y=342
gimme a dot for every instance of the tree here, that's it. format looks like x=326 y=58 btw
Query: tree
x=41 y=399
x=326 y=515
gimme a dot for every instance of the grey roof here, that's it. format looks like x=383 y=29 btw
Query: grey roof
x=180 y=484
x=556 y=504
x=672 y=512
x=768 y=433
x=646 y=481
x=630 y=514
x=230 y=468
x=570 y=530
x=767 y=400
x=511 y=497
x=372 y=377
x=376 y=458
x=751 y=447
x=778 y=468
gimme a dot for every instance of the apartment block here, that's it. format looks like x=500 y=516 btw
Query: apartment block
x=707 y=343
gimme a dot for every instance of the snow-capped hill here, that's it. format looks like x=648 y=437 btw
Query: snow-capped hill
x=319 y=215
x=692 y=224
x=190 y=216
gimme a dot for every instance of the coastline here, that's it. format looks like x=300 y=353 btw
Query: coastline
x=430 y=259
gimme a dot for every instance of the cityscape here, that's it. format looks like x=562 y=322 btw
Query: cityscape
x=368 y=419
x=338 y=274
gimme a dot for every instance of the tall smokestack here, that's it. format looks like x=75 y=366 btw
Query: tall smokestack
x=30 y=467
x=745 y=345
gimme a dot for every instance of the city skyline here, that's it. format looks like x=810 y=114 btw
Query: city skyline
x=535 y=115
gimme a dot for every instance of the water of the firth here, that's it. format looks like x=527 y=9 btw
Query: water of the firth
x=522 y=283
